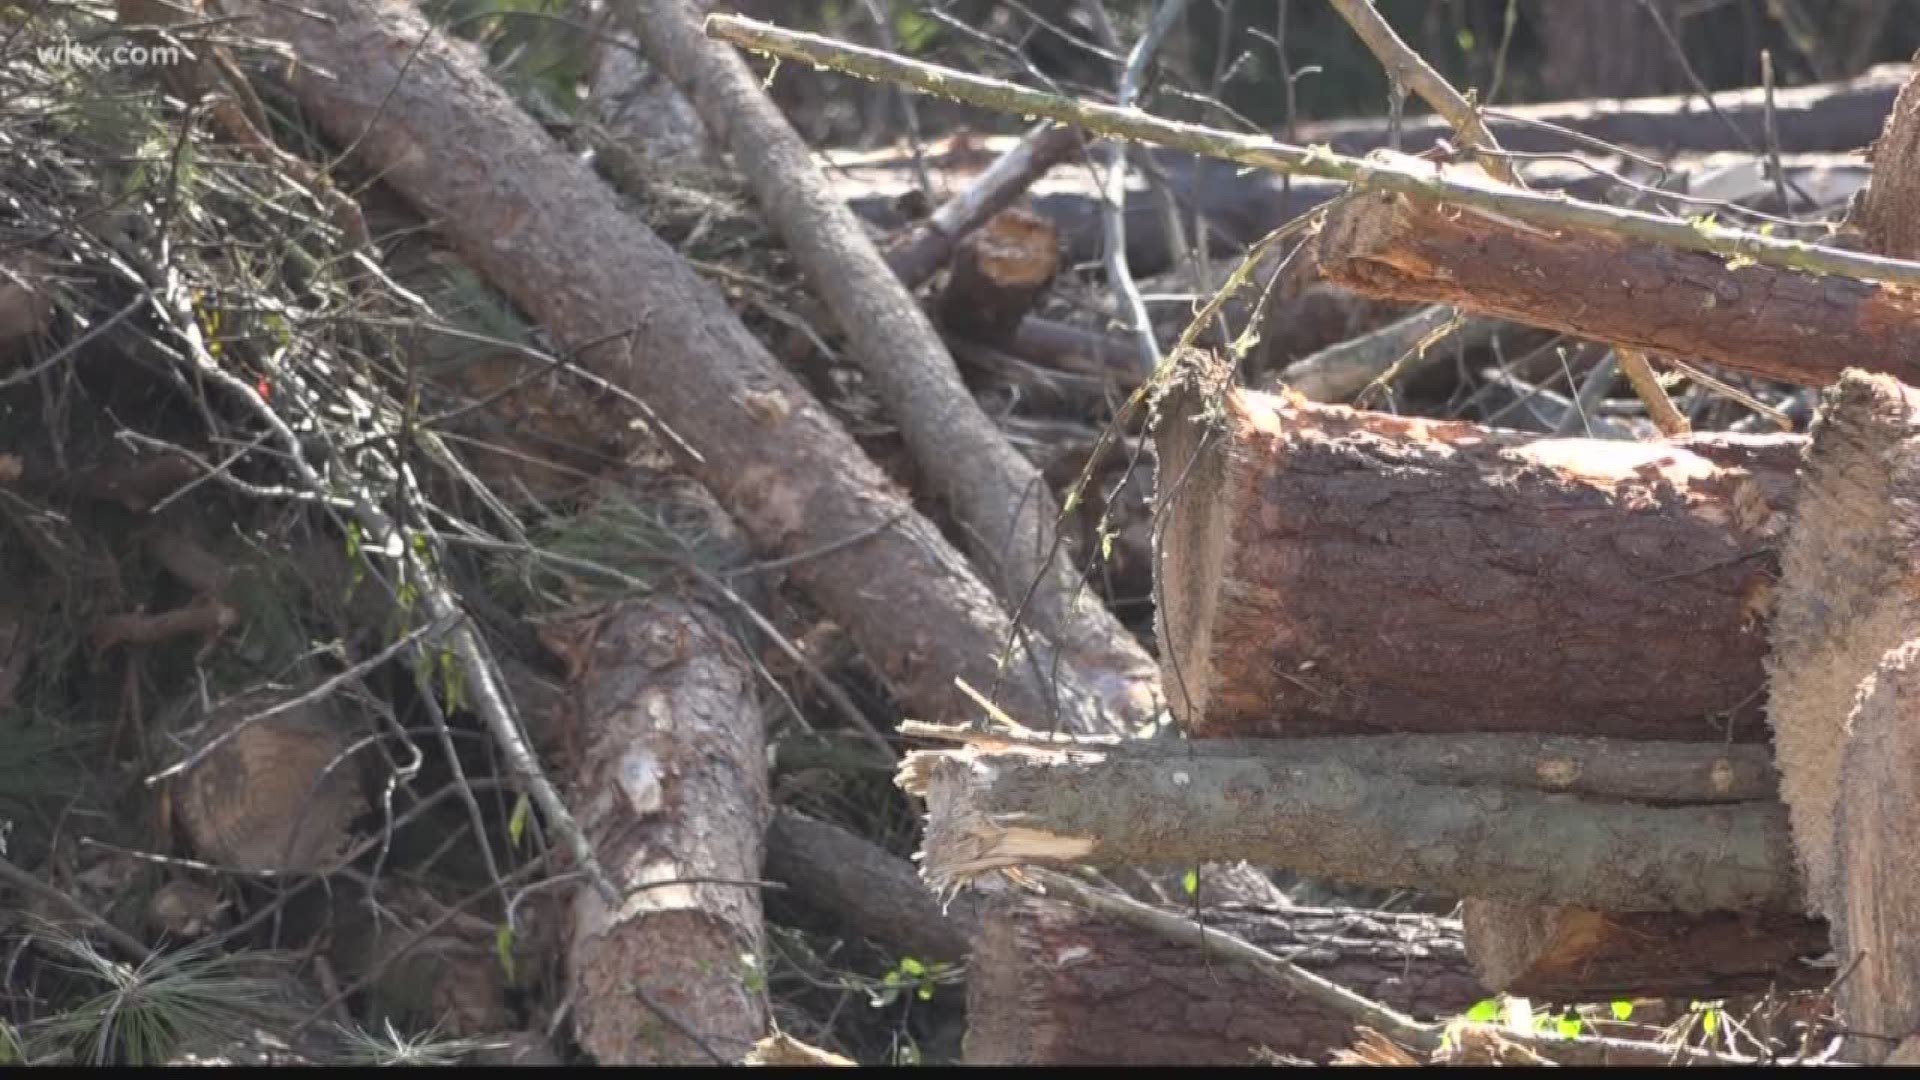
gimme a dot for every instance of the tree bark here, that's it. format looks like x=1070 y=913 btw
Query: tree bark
x=996 y=494
x=1570 y=955
x=671 y=785
x=1757 y=319
x=1325 y=571
x=1830 y=117
x=999 y=272
x=1887 y=211
x=987 y=810
x=1601 y=49
x=868 y=890
x=926 y=247
x=1052 y=984
x=1876 y=913
x=555 y=240
x=1846 y=596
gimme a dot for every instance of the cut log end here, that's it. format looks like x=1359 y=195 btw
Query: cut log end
x=1571 y=955
x=281 y=794
x=1847 y=575
x=1876 y=880
x=998 y=274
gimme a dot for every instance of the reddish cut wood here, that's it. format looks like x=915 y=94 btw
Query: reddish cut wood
x=1327 y=571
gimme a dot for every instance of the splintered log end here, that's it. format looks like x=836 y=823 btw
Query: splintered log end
x=1876 y=882
x=781 y=1049
x=998 y=274
x=1570 y=954
x=1330 y=571
x=1887 y=211
x=1049 y=983
x=1847 y=577
x=963 y=840
x=280 y=793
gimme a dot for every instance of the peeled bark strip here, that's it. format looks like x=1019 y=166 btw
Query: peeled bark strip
x=998 y=274
x=996 y=494
x=1052 y=984
x=1887 y=212
x=671 y=787
x=1780 y=324
x=1326 y=571
x=541 y=227
x=1827 y=117
x=988 y=810
x=1876 y=918
x=1847 y=594
x=1570 y=955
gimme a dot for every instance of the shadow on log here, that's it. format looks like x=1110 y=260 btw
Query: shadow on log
x=1053 y=984
x=1326 y=571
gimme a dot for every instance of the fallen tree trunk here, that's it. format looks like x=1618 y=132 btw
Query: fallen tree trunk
x=1827 y=117
x=1780 y=324
x=988 y=810
x=428 y=119
x=1325 y=571
x=1569 y=955
x=998 y=496
x=671 y=786
x=1656 y=773
x=1846 y=639
x=1887 y=212
x=1052 y=984
x=867 y=889
x=918 y=254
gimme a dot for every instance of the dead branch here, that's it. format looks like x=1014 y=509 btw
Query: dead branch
x=926 y=247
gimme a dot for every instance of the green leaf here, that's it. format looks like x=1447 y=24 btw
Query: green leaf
x=912 y=967
x=1622 y=1010
x=1569 y=1026
x=503 y=948
x=925 y=993
x=1710 y=1021
x=1191 y=882
x=892 y=979
x=517 y=823
x=1484 y=1012
x=1464 y=38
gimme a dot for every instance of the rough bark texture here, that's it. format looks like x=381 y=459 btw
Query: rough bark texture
x=671 y=786
x=1847 y=594
x=1329 y=571
x=553 y=238
x=1828 y=117
x=987 y=810
x=1052 y=984
x=872 y=892
x=998 y=274
x=1876 y=830
x=1779 y=324
x=1887 y=212
x=1570 y=955
x=997 y=495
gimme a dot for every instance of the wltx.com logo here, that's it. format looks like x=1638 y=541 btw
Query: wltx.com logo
x=82 y=54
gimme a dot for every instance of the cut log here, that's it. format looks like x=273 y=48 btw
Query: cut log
x=1327 y=571
x=428 y=119
x=275 y=788
x=998 y=273
x=870 y=891
x=926 y=247
x=670 y=784
x=1887 y=212
x=1847 y=595
x=1052 y=984
x=1569 y=955
x=1779 y=324
x=994 y=808
x=1876 y=913
x=1827 y=117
